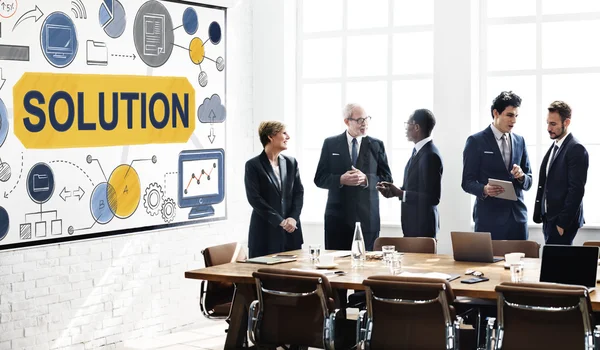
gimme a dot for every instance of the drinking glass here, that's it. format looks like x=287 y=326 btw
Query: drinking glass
x=315 y=251
x=516 y=271
x=387 y=250
x=395 y=263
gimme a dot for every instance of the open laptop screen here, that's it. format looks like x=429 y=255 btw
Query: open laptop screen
x=569 y=265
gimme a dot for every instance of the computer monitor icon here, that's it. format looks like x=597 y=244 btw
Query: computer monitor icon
x=59 y=40
x=201 y=181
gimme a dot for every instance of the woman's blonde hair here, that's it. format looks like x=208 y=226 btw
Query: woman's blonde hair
x=269 y=128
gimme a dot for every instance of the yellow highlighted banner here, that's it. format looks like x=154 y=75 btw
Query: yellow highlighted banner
x=83 y=110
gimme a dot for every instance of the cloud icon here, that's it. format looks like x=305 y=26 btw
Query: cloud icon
x=211 y=110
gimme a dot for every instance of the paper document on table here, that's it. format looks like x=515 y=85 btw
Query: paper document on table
x=509 y=189
x=340 y=253
x=429 y=275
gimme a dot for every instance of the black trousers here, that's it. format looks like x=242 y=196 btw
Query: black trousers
x=338 y=236
x=551 y=235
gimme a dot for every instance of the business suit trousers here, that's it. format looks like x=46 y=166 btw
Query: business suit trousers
x=338 y=236
x=511 y=230
x=551 y=235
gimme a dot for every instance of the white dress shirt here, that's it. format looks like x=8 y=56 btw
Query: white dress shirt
x=358 y=142
x=498 y=135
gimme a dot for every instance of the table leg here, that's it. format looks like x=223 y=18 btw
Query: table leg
x=238 y=325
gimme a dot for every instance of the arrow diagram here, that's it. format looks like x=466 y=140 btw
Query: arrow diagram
x=79 y=193
x=6 y=194
x=35 y=13
x=64 y=194
x=2 y=80
x=211 y=136
x=124 y=56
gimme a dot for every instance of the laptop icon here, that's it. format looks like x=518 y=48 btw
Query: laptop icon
x=473 y=246
x=570 y=265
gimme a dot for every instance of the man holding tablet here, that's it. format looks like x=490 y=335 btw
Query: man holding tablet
x=497 y=153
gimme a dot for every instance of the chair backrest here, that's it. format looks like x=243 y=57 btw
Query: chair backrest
x=592 y=243
x=222 y=254
x=293 y=308
x=543 y=316
x=216 y=297
x=409 y=313
x=531 y=249
x=408 y=244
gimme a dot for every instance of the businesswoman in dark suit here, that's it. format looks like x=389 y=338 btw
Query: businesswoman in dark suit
x=276 y=194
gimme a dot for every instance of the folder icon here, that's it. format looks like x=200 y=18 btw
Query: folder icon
x=96 y=53
x=41 y=183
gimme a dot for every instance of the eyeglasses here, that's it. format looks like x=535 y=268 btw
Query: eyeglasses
x=361 y=120
x=407 y=124
x=474 y=273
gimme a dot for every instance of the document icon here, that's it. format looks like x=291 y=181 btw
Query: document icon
x=96 y=53
x=40 y=183
x=154 y=34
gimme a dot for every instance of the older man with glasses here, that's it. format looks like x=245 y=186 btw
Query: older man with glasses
x=350 y=167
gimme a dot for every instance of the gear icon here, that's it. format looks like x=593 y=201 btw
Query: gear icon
x=153 y=198
x=168 y=210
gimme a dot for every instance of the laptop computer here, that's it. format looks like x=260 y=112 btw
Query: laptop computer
x=473 y=246
x=570 y=265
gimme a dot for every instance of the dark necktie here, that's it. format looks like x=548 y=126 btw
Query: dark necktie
x=354 y=151
x=553 y=155
x=408 y=164
x=554 y=151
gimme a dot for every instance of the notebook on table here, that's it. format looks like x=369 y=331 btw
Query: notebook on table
x=267 y=260
x=570 y=265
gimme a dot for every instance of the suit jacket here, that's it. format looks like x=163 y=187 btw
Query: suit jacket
x=564 y=185
x=272 y=204
x=353 y=203
x=482 y=160
x=423 y=186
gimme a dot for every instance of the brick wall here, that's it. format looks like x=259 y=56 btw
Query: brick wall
x=98 y=293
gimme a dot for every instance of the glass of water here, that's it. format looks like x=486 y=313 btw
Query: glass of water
x=395 y=263
x=387 y=250
x=516 y=271
x=315 y=251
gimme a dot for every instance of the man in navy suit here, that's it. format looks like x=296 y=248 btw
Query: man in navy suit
x=420 y=194
x=498 y=153
x=559 y=199
x=350 y=166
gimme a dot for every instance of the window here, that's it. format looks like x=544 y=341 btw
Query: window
x=538 y=50
x=377 y=53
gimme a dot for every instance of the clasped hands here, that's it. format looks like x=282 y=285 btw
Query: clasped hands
x=494 y=190
x=289 y=225
x=353 y=177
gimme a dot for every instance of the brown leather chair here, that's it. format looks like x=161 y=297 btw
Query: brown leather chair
x=216 y=298
x=530 y=248
x=408 y=313
x=408 y=244
x=402 y=244
x=293 y=308
x=542 y=316
x=592 y=243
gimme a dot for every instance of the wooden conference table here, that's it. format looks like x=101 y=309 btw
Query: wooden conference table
x=241 y=275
